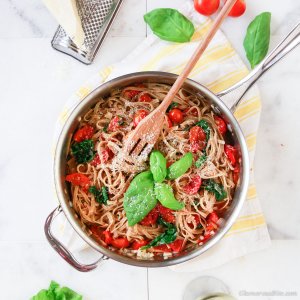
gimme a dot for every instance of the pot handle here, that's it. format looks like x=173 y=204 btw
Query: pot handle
x=238 y=90
x=62 y=250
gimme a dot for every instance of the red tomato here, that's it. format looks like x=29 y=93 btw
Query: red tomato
x=79 y=179
x=238 y=9
x=138 y=244
x=206 y=7
x=145 y=98
x=139 y=116
x=131 y=93
x=212 y=218
x=115 y=123
x=197 y=138
x=169 y=122
x=221 y=124
x=106 y=154
x=231 y=153
x=236 y=174
x=120 y=243
x=197 y=220
x=166 y=213
x=96 y=161
x=163 y=248
x=107 y=237
x=176 y=115
x=177 y=245
x=193 y=186
x=151 y=218
x=84 y=133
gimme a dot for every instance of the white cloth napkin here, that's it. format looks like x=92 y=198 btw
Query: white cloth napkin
x=219 y=68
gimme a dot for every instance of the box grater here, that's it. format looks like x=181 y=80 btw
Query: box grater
x=96 y=18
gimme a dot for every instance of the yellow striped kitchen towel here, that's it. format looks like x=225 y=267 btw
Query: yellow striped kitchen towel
x=219 y=68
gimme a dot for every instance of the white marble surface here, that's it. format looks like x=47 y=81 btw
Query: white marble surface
x=35 y=81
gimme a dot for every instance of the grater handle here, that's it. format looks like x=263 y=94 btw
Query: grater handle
x=62 y=250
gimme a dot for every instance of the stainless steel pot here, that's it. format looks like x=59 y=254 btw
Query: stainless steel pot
x=237 y=91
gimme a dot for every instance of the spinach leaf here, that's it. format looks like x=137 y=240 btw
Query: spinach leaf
x=257 y=39
x=205 y=126
x=172 y=105
x=170 y=25
x=166 y=237
x=158 y=166
x=101 y=196
x=200 y=161
x=55 y=292
x=179 y=167
x=164 y=194
x=83 y=151
x=216 y=189
x=139 y=198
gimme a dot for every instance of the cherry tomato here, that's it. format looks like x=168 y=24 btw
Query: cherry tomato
x=177 y=245
x=151 y=218
x=84 y=133
x=197 y=138
x=193 y=186
x=169 y=122
x=79 y=179
x=96 y=161
x=139 y=116
x=107 y=237
x=231 y=153
x=166 y=213
x=197 y=221
x=120 y=243
x=176 y=115
x=221 y=124
x=138 y=244
x=236 y=174
x=145 y=98
x=238 y=9
x=115 y=123
x=106 y=154
x=213 y=218
x=206 y=7
x=129 y=94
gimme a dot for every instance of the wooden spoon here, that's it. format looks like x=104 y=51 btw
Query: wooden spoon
x=141 y=140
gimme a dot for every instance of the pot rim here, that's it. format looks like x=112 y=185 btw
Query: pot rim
x=61 y=192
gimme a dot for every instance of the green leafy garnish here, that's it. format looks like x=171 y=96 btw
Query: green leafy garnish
x=200 y=161
x=205 y=126
x=139 y=198
x=164 y=194
x=257 y=39
x=172 y=105
x=179 y=167
x=55 y=292
x=105 y=128
x=158 y=166
x=215 y=188
x=170 y=25
x=101 y=196
x=166 y=237
x=83 y=151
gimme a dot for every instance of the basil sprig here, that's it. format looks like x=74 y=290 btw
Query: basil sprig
x=257 y=39
x=164 y=193
x=170 y=25
x=215 y=188
x=158 y=166
x=179 y=167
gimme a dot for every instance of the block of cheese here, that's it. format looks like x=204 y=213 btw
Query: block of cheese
x=66 y=14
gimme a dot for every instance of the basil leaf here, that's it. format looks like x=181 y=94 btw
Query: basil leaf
x=205 y=126
x=257 y=39
x=179 y=167
x=83 y=151
x=101 y=196
x=158 y=166
x=170 y=25
x=164 y=194
x=200 y=161
x=139 y=198
x=216 y=189
x=172 y=105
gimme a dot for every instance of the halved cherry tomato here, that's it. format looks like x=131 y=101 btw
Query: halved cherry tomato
x=206 y=7
x=170 y=124
x=131 y=93
x=238 y=9
x=197 y=138
x=84 y=133
x=176 y=246
x=120 y=243
x=212 y=218
x=193 y=186
x=236 y=174
x=106 y=154
x=176 y=115
x=221 y=124
x=139 y=116
x=138 y=244
x=96 y=161
x=79 y=179
x=166 y=213
x=115 y=123
x=151 y=218
x=231 y=153
x=145 y=98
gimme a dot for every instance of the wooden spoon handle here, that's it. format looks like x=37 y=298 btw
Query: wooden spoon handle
x=196 y=55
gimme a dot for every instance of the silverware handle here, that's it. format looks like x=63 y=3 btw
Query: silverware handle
x=290 y=42
x=62 y=250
